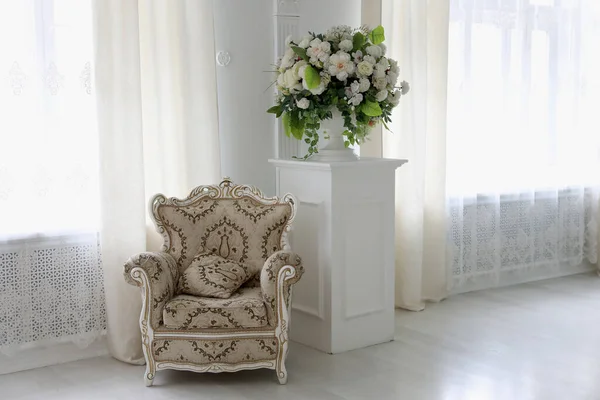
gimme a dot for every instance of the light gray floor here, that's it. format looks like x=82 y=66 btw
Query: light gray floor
x=532 y=341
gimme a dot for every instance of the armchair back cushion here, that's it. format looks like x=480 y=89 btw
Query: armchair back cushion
x=238 y=229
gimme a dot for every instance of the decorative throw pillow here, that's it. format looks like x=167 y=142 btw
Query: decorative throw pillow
x=210 y=275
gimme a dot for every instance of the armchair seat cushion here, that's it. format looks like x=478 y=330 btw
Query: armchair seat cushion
x=244 y=309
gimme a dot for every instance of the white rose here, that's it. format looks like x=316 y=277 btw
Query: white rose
x=370 y=59
x=305 y=42
x=345 y=45
x=325 y=78
x=355 y=86
x=281 y=80
x=288 y=78
x=296 y=88
x=404 y=87
x=394 y=66
x=358 y=56
x=356 y=99
x=381 y=95
x=365 y=68
x=364 y=85
x=380 y=83
x=383 y=48
x=319 y=89
x=303 y=103
x=299 y=68
x=374 y=51
x=288 y=40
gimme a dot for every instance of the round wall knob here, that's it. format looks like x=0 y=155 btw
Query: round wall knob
x=223 y=58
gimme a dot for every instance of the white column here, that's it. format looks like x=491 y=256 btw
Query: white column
x=344 y=233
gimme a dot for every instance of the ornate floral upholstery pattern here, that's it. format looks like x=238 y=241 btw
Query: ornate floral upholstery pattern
x=213 y=276
x=248 y=330
x=202 y=352
x=268 y=280
x=161 y=271
x=237 y=229
x=245 y=309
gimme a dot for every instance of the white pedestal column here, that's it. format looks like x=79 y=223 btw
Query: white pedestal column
x=344 y=232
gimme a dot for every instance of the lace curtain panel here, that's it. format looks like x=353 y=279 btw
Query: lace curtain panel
x=51 y=286
x=523 y=144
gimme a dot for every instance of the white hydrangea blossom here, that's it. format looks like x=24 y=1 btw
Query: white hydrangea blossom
x=339 y=33
x=378 y=72
x=404 y=87
x=288 y=59
x=381 y=95
x=380 y=83
x=383 y=63
x=374 y=51
x=345 y=45
x=370 y=59
x=395 y=98
x=305 y=42
x=392 y=79
x=356 y=99
x=363 y=85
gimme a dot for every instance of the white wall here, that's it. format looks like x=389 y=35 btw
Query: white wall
x=245 y=29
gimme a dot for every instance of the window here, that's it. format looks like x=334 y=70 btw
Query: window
x=50 y=278
x=48 y=144
x=523 y=87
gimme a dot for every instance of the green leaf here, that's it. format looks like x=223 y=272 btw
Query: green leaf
x=371 y=109
x=301 y=52
x=275 y=110
x=312 y=77
x=296 y=126
x=377 y=36
x=358 y=41
x=287 y=127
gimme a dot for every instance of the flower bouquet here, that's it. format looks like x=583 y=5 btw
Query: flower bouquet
x=343 y=71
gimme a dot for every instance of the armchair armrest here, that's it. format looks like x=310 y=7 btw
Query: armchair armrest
x=283 y=268
x=157 y=275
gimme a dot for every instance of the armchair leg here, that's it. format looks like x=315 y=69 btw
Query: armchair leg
x=281 y=374
x=149 y=375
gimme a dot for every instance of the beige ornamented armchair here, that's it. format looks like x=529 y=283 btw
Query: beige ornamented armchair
x=249 y=330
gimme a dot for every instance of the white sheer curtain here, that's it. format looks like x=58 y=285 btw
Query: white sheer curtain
x=417 y=36
x=81 y=156
x=499 y=130
x=50 y=275
x=523 y=142
x=158 y=129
